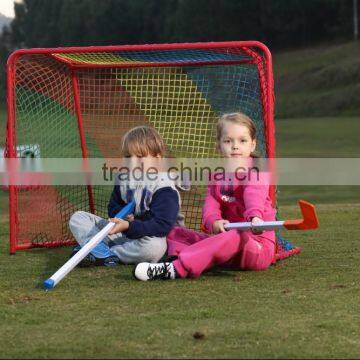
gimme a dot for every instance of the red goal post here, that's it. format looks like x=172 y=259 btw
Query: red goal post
x=78 y=101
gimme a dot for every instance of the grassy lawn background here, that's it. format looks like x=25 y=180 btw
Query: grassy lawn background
x=318 y=81
x=332 y=137
x=305 y=306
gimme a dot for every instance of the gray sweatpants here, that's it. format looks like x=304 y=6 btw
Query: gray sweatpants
x=84 y=226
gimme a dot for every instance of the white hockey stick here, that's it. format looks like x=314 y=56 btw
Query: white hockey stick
x=309 y=221
x=86 y=249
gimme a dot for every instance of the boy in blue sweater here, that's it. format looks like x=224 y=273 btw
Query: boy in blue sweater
x=140 y=236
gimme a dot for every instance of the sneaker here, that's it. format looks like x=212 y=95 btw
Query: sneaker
x=161 y=271
x=92 y=260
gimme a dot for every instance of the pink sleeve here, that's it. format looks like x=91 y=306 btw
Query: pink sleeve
x=211 y=210
x=255 y=195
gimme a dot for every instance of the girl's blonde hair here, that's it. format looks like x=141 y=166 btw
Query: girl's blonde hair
x=142 y=141
x=235 y=118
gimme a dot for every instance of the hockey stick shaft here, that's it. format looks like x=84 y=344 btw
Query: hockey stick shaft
x=266 y=225
x=86 y=249
x=309 y=221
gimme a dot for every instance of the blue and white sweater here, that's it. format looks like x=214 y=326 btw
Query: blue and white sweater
x=157 y=207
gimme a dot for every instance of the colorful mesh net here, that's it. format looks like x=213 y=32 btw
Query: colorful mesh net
x=179 y=89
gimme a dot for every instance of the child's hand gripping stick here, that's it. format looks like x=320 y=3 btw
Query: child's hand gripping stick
x=309 y=221
x=86 y=249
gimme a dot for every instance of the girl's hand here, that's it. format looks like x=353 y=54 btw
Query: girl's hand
x=120 y=226
x=256 y=221
x=129 y=217
x=218 y=226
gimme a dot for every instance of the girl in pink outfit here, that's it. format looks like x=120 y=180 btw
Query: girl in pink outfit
x=240 y=201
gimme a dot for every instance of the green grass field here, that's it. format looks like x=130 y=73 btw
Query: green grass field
x=332 y=137
x=305 y=306
x=318 y=81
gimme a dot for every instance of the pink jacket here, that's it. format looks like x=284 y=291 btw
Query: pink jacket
x=239 y=202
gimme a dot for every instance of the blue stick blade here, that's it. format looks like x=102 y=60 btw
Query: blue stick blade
x=126 y=210
x=49 y=284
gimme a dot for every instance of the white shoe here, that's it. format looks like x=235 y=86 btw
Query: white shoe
x=161 y=271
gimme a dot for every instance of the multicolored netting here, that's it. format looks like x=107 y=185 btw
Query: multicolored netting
x=179 y=89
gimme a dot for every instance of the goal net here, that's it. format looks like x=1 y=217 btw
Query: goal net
x=78 y=103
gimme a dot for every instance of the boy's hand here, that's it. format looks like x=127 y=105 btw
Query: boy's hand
x=120 y=226
x=129 y=217
x=218 y=226
x=256 y=221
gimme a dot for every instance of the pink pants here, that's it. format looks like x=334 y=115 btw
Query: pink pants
x=198 y=252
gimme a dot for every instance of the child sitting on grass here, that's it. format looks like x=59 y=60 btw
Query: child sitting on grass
x=142 y=235
x=224 y=203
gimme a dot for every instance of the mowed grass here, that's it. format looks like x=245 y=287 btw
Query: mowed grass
x=331 y=137
x=318 y=81
x=305 y=306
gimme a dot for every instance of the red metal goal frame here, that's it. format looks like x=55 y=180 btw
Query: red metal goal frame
x=265 y=76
